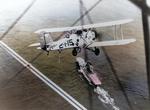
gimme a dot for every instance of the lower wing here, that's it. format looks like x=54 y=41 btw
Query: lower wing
x=112 y=43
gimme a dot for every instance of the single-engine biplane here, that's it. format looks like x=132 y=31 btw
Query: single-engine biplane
x=78 y=37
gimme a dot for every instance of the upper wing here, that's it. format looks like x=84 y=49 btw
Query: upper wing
x=86 y=26
x=112 y=43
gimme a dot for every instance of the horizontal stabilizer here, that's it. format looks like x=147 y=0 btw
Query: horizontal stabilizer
x=35 y=44
x=112 y=43
x=86 y=26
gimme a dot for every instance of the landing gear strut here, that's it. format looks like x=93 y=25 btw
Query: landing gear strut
x=95 y=50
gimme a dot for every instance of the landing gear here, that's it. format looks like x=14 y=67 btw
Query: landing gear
x=76 y=51
x=95 y=50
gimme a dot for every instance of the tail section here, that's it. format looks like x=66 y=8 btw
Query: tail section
x=45 y=38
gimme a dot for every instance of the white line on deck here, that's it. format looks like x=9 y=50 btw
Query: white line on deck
x=46 y=80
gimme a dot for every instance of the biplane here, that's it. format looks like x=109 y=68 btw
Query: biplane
x=78 y=37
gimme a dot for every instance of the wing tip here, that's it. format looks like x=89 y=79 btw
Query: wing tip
x=35 y=44
x=131 y=20
x=37 y=31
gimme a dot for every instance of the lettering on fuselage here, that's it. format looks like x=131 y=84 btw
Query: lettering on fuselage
x=69 y=43
x=77 y=43
x=51 y=46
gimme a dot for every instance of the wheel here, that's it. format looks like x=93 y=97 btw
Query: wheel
x=74 y=52
x=97 y=51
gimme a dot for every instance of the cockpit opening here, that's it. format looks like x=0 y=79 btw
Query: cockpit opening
x=74 y=31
